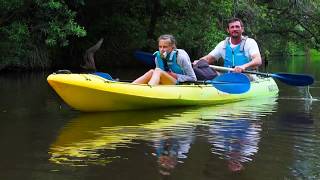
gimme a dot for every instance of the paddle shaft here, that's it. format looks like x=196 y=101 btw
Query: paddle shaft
x=290 y=79
x=231 y=69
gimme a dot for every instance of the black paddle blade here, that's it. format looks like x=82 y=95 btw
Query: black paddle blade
x=294 y=79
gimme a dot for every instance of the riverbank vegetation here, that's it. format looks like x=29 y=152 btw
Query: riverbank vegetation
x=42 y=34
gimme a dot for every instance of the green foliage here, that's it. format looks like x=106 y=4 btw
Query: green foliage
x=33 y=32
x=213 y=37
x=17 y=32
x=6 y=5
x=59 y=32
x=26 y=26
x=60 y=22
x=294 y=21
x=12 y=45
x=193 y=23
x=315 y=53
x=293 y=48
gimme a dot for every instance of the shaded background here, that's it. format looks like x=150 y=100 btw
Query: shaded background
x=54 y=34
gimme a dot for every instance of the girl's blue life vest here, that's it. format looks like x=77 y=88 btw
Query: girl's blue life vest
x=235 y=56
x=169 y=63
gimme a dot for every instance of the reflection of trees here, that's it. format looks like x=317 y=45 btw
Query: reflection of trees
x=298 y=126
x=306 y=162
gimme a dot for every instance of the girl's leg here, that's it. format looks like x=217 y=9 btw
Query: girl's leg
x=144 y=79
x=161 y=77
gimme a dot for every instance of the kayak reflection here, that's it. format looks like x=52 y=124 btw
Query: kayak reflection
x=81 y=140
x=91 y=138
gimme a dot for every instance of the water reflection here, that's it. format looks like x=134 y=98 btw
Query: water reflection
x=80 y=141
x=306 y=155
x=298 y=125
x=166 y=135
x=169 y=150
x=235 y=140
x=235 y=136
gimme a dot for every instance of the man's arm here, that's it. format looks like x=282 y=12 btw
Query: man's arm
x=254 y=63
x=209 y=58
x=254 y=56
x=256 y=60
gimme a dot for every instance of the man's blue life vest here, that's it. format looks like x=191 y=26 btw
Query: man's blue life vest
x=170 y=63
x=235 y=56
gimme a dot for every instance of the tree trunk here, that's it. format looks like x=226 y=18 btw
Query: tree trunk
x=155 y=13
x=89 y=57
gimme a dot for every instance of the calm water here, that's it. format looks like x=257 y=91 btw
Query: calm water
x=267 y=138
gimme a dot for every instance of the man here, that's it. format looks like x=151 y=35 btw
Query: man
x=238 y=51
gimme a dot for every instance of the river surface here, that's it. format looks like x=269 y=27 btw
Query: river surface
x=267 y=138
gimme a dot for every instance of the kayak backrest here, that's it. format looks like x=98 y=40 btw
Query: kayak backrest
x=104 y=75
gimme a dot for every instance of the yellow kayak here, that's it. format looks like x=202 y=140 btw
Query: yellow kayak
x=92 y=93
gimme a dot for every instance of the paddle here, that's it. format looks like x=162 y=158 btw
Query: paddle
x=145 y=57
x=290 y=79
x=232 y=83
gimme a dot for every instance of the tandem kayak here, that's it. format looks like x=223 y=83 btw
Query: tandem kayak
x=92 y=93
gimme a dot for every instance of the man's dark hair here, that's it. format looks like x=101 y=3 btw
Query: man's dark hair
x=234 y=20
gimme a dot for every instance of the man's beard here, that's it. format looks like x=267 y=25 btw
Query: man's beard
x=235 y=36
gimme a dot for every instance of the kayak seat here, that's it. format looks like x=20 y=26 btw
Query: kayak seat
x=63 y=71
x=104 y=75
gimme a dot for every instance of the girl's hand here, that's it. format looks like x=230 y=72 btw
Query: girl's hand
x=174 y=75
